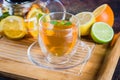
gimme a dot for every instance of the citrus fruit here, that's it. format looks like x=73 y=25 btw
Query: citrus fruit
x=32 y=19
x=86 y=19
x=13 y=27
x=35 y=11
x=1 y=28
x=101 y=32
x=104 y=13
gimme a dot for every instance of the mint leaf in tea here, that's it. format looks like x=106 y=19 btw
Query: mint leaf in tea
x=63 y=24
x=54 y=22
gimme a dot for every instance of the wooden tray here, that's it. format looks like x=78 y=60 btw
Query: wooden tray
x=14 y=60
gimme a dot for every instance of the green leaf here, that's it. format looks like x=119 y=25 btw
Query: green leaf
x=5 y=14
x=68 y=23
x=62 y=22
x=54 y=22
x=39 y=15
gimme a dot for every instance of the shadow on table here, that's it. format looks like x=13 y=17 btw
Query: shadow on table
x=8 y=76
x=116 y=75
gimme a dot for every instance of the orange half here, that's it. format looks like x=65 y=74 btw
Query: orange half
x=32 y=19
x=104 y=13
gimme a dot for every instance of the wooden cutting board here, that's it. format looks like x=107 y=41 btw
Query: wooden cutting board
x=14 y=60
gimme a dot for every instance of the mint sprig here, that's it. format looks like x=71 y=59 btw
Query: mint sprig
x=54 y=22
x=5 y=14
x=63 y=22
x=39 y=15
x=68 y=23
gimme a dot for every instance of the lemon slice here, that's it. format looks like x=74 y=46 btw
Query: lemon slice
x=86 y=19
x=13 y=27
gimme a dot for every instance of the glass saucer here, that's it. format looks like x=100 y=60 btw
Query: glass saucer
x=81 y=56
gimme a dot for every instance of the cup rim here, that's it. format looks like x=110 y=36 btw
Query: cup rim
x=72 y=15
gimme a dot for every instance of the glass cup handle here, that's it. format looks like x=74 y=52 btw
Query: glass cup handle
x=52 y=3
x=61 y=5
x=1 y=10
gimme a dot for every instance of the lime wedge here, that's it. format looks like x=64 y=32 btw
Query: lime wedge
x=101 y=32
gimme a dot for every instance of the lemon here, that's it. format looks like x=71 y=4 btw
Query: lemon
x=101 y=32
x=13 y=27
x=1 y=28
x=86 y=19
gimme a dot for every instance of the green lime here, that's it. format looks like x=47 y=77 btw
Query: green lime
x=101 y=32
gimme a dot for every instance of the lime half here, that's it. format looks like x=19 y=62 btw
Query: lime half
x=101 y=32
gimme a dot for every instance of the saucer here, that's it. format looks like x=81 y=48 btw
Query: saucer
x=81 y=56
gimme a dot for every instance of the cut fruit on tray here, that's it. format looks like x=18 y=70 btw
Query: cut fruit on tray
x=86 y=19
x=104 y=13
x=101 y=32
x=13 y=27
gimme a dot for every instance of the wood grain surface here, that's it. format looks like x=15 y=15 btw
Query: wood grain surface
x=110 y=63
x=14 y=60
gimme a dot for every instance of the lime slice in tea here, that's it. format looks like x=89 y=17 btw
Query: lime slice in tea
x=101 y=32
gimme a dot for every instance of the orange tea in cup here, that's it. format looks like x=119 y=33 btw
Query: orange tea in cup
x=59 y=36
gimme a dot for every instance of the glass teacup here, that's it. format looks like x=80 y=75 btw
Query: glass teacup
x=58 y=36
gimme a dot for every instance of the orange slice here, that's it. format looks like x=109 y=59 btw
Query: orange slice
x=32 y=19
x=35 y=11
x=104 y=13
